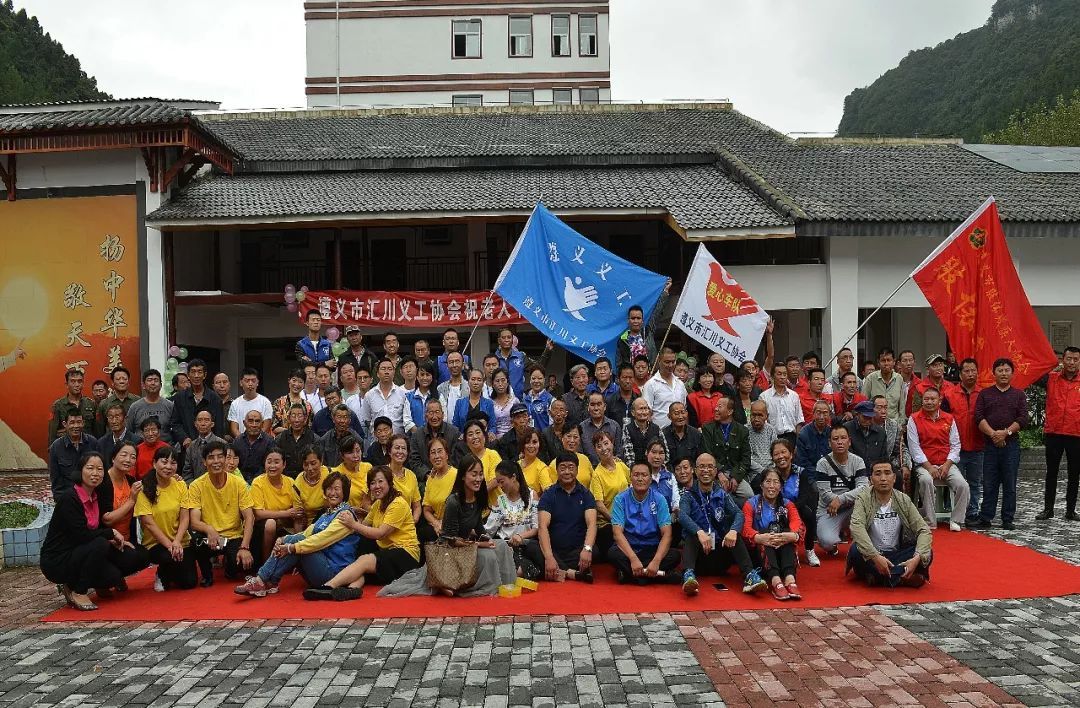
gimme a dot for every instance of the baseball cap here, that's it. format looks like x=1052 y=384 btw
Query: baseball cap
x=518 y=407
x=934 y=358
x=865 y=408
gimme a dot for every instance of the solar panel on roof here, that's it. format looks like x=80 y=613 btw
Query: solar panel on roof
x=1030 y=158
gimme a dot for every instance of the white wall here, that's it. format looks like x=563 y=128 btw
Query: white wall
x=80 y=169
x=499 y=97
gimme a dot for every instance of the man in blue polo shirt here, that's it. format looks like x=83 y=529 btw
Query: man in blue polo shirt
x=567 y=525
x=641 y=523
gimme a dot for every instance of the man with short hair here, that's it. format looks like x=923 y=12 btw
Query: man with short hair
x=639 y=339
x=618 y=403
x=194 y=465
x=729 y=444
x=188 y=403
x=812 y=394
x=847 y=396
x=596 y=422
x=516 y=363
x=796 y=380
x=567 y=526
x=760 y=435
x=435 y=426
x=867 y=438
x=910 y=390
x=641 y=526
x=602 y=378
x=120 y=378
x=813 y=440
x=935 y=377
x=454 y=387
x=151 y=405
x=386 y=399
x=73 y=378
x=1001 y=412
x=1062 y=432
x=845 y=362
x=451 y=342
x=896 y=451
x=65 y=451
x=284 y=404
x=346 y=372
x=329 y=443
x=785 y=409
x=180 y=382
x=357 y=355
x=934 y=442
x=576 y=400
x=391 y=346
x=252 y=446
x=222 y=510
x=551 y=436
x=295 y=438
x=489 y=365
x=223 y=388
x=116 y=431
x=885 y=382
x=251 y=400
x=323 y=421
x=422 y=352
x=684 y=441
x=641 y=372
x=960 y=401
x=664 y=388
x=841 y=475
x=314 y=348
x=99 y=391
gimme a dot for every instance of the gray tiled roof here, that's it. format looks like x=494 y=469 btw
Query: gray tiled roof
x=696 y=196
x=121 y=114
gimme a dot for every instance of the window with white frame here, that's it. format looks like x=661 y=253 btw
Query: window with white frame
x=560 y=35
x=471 y=99
x=521 y=36
x=562 y=96
x=466 y=39
x=587 y=42
x=589 y=95
x=521 y=97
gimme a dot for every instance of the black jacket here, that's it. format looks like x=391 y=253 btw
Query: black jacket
x=182 y=424
x=68 y=530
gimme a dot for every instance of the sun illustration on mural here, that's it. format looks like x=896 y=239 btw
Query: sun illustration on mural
x=24 y=307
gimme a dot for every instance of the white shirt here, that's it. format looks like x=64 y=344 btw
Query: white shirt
x=392 y=405
x=659 y=394
x=885 y=528
x=785 y=411
x=915 y=447
x=241 y=407
x=315 y=400
x=449 y=395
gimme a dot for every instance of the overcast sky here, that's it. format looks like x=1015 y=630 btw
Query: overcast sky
x=788 y=63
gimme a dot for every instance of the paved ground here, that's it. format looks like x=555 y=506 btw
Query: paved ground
x=961 y=654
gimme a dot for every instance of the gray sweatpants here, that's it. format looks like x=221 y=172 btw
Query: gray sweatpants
x=961 y=494
x=829 y=528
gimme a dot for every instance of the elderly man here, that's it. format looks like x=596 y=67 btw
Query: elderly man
x=813 y=440
x=329 y=443
x=845 y=362
x=567 y=525
x=435 y=426
x=194 y=465
x=868 y=439
x=576 y=399
x=597 y=422
x=252 y=446
x=641 y=525
x=934 y=441
x=729 y=444
x=761 y=437
x=684 y=441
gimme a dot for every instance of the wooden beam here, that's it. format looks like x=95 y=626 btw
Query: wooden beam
x=174 y=170
x=230 y=299
x=8 y=176
x=170 y=285
x=150 y=159
x=338 y=273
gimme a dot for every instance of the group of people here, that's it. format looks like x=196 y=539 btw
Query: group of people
x=667 y=476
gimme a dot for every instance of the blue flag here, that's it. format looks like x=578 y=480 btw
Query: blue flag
x=572 y=290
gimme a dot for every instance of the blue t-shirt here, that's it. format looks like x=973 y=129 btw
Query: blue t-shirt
x=567 y=528
x=641 y=521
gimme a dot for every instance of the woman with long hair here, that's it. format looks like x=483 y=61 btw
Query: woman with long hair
x=164 y=523
x=515 y=518
x=532 y=466
x=502 y=396
x=440 y=482
x=403 y=478
x=119 y=489
x=772 y=528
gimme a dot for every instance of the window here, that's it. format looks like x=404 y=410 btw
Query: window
x=472 y=99
x=521 y=36
x=521 y=97
x=466 y=39
x=587 y=36
x=562 y=97
x=589 y=95
x=560 y=35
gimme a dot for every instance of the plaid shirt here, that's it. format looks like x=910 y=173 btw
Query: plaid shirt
x=761 y=448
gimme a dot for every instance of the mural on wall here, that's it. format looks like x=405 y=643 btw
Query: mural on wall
x=69 y=299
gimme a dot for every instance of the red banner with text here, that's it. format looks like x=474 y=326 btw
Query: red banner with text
x=408 y=309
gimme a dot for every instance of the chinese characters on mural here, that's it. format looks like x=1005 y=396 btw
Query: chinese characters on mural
x=75 y=296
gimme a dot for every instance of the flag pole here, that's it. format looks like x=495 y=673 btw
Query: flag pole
x=868 y=318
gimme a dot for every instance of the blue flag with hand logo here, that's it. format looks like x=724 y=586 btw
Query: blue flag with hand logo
x=570 y=289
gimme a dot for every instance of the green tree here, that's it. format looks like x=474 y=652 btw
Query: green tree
x=1057 y=124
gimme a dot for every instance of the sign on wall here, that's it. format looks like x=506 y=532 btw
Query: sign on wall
x=406 y=309
x=69 y=298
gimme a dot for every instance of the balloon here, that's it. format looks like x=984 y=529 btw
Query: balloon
x=171 y=362
x=333 y=334
x=290 y=297
x=183 y=367
x=515 y=342
x=291 y=307
x=303 y=288
x=174 y=350
x=301 y=296
x=183 y=353
x=339 y=347
x=290 y=289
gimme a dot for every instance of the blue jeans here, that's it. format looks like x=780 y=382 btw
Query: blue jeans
x=1000 y=468
x=867 y=570
x=971 y=466
x=315 y=567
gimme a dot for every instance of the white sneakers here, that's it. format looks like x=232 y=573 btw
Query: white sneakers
x=811 y=558
x=953 y=526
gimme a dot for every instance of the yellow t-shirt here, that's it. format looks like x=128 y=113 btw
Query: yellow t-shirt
x=438 y=489
x=311 y=495
x=409 y=487
x=491 y=460
x=607 y=483
x=535 y=474
x=220 y=507
x=398 y=515
x=166 y=512
x=266 y=497
x=358 y=482
x=584 y=472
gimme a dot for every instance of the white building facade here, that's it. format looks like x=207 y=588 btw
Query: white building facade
x=423 y=52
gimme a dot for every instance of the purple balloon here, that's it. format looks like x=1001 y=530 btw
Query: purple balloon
x=290 y=297
x=303 y=289
x=183 y=367
x=290 y=289
x=174 y=351
x=333 y=334
x=291 y=307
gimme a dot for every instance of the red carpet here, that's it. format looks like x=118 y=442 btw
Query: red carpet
x=967 y=566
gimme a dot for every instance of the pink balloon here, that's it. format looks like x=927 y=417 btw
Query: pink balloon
x=303 y=289
x=333 y=334
x=290 y=297
x=290 y=289
x=291 y=307
x=174 y=351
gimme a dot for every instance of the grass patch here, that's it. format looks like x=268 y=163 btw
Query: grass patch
x=14 y=515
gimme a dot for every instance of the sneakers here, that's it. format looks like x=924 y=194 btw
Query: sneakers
x=584 y=576
x=834 y=552
x=953 y=526
x=793 y=592
x=1072 y=516
x=690 y=584
x=780 y=592
x=753 y=582
x=254 y=587
x=811 y=558
x=158 y=585
x=1045 y=515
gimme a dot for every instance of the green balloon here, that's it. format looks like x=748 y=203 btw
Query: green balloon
x=339 y=347
x=172 y=363
x=183 y=353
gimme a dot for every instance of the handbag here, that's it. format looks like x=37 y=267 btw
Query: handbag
x=451 y=565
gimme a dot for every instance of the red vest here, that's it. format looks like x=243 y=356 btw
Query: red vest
x=1062 y=404
x=934 y=435
x=838 y=404
x=962 y=407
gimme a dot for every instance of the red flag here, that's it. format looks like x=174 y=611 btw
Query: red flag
x=972 y=285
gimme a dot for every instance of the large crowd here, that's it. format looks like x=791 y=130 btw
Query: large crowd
x=666 y=468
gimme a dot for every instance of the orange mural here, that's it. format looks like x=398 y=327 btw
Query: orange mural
x=69 y=298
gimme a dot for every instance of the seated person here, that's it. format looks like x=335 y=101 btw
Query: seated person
x=728 y=441
x=151 y=443
x=772 y=526
x=515 y=518
x=389 y=523
x=378 y=453
x=532 y=463
x=567 y=525
x=118 y=491
x=840 y=476
x=571 y=442
x=641 y=524
x=277 y=505
x=662 y=479
x=308 y=484
x=934 y=441
x=711 y=526
x=404 y=479
x=890 y=541
x=799 y=487
x=322 y=550
x=164 y=522
x=440 y=481
x=609 y=477
x=221 y=510
x=475 y=436
x=355 y=469
x=80 y=551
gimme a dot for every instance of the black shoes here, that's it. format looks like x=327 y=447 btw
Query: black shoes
x=1072 y=516
x=320 y=593
x=1045 y=515
x=980 y=524
x=1007 y=525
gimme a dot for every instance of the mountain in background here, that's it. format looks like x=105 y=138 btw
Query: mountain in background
x=34 y=68
x=1027 y=54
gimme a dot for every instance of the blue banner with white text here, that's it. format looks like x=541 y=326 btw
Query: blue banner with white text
x=571 y=289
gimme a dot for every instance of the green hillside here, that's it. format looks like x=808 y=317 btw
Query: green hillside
x=34 y=67
x=1027 y=53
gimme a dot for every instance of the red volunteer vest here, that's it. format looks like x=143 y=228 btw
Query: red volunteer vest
x=934 y=435
x=1062 y=404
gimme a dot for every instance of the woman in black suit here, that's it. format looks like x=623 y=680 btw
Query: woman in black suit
x=80 y=551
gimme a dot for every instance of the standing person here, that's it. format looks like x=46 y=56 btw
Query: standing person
x=474 y=402
x=934 y=442
x=538 y=400
x=120 y=378
x=99 y=391
x=295 y=438
x=619 y=403
x=189 y=402
x=357 y=355
x=509 y=445
x=812 y=442
x=845 y=362
x=910 y=396
x=1001 y=411
x=840 y=476
x=639 y=339
x=773 y=528
x=610 y=477
x=885 y=382
x=641 y=525
x=567 y=525
x=952 y=369
x=330 y=441
x=596 y=422
x=761 y=435
x=785 y=410
x=724 y=382
x=603 y=378
x=285 y=403
x=503 y=400
x=323 y=421
x=642 y=368
x=314 y=348
x=552 y=435
x=515 y=362
x=311 y=393
x=391 y=347
x=1062 y=432
x=249 y=401
x=701 y=402
x=204 y=435
x=664 y=388
x=223 y=388
x=796 y=379
x=729 y=444
x=935 y=377
x=455 y=387
x=418 y=398
x=960 y=401
x=847 y=396
x=809 y=397
x=116 y=431
x=221 y=510
x=252 y=446
x=152 y=404
x=386 y=400
x=683 y=441
x=745 y=395
x=576 y=399
x=422 y=352
x=164 y=523
x=347 y=380
x=66 y=452
x=74 y=398
x=151 y=443
x=451 y=343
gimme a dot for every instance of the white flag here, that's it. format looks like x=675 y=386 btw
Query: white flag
x=716 y=311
